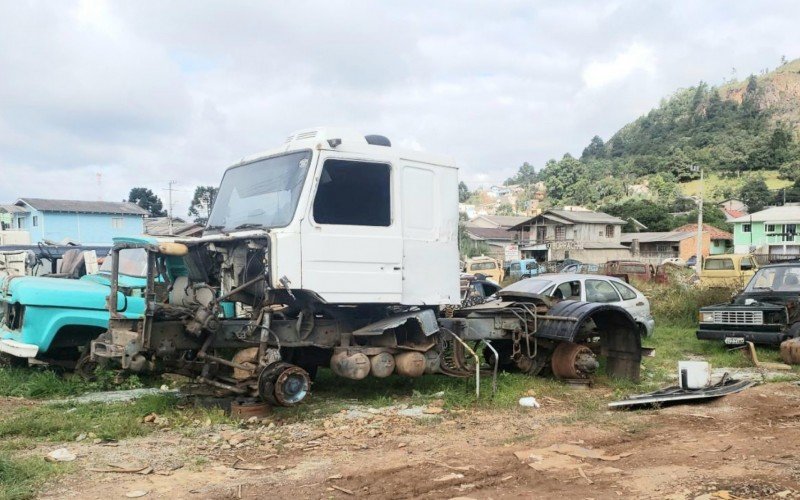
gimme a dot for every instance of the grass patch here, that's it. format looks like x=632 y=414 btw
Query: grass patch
x=19 y=477
x=41 y=382
x=713 y=182
x=63 y=422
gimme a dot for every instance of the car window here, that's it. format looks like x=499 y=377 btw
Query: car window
x=482 y=266
x=718 y=265
x=568 y=290
x=514 y=266
x=531 y=265
x=746 y=265
x=779 y=279
x=624 y=291
x=600 y=291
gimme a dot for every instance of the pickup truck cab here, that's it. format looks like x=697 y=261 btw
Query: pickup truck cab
x=525 y=268
x=727 y=270
x=53 y=319
x=486 y=266
x=766 y=312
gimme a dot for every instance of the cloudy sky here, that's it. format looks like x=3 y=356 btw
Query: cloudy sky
x=135 y=93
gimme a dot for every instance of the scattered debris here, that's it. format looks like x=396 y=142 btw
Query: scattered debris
x=343 y=490
x=529 y=402
x=566 y=456
x=60 y=455
x=675 y=394
x=752 y=356
x=449 y=477
x=136 y=493
x=143 y=469
x=790 y=351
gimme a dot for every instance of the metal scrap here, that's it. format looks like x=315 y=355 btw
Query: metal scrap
x=675 y=394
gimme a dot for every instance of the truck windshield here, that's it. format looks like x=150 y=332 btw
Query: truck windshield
x=132 y=262
x=260 y=194
x=776 y=279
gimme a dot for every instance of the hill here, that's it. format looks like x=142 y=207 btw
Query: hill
x=744 y=134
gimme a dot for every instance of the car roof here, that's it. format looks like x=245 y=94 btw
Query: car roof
x=573 y=276
x=793 y=263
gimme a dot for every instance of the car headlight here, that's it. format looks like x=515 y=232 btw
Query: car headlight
x=706 y=317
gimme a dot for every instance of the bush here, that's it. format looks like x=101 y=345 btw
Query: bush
x=679 y=304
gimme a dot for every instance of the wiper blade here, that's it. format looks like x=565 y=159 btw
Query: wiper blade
x=214 y=228
x=762 y=288
x=248 y=225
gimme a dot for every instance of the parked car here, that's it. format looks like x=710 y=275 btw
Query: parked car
x=475 y=290
x=486 y=266
x=591 y=288
x=727 y=270
x=630 y=269
x=583 y=269
x=767 y=311
x=557 y=266
x=53 y=319
x=519 y=269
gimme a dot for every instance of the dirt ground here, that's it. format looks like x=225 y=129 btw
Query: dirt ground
x=745 y=445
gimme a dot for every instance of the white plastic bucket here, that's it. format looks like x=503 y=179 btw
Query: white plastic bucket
x=694 y=374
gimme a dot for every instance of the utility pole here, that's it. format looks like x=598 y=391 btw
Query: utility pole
x=699 y=263
x=169 y=214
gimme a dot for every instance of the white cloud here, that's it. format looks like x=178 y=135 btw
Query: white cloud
x=145 y=92
x=631 y=62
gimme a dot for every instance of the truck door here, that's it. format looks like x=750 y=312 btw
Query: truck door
x=352 y=250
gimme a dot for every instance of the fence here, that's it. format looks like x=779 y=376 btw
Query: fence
x=764 y=258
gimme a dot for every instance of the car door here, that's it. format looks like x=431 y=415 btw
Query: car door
x=632 y=301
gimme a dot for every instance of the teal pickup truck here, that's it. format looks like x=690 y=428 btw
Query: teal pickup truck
x=54 y=319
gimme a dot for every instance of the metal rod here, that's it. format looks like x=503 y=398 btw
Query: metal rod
x=240 y=288
x=225 y=362
x=232 y=388
x=496 y=363
x=477 y=362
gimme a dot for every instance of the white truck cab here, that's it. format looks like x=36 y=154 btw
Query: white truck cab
x=349 y=217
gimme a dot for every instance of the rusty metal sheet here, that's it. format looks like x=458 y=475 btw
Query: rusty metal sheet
x=426 y=319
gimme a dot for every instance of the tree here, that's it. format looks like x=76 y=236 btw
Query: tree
x=526 y=175
x=463 y=192
x=148 y=200
x=203 y=201
x=595 y=149
x=755 y=194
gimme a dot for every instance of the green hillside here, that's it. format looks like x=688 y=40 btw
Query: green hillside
x=744 y=135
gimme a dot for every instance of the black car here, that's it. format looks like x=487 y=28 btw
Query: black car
x=766 y=312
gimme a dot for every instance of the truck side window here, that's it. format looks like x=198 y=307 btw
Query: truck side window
x=746 y=265
x=353 y=193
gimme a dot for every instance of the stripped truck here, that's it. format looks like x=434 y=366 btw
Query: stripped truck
x=340 y=250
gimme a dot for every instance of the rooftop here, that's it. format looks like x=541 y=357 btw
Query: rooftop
x=786 y=213
x=656 y=237
x=83 y=206
x=489 y=233
x=715 y=232
x=573 y=217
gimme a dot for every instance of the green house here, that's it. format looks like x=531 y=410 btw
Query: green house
x=772 y=231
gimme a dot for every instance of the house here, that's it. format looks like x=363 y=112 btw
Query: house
x=9 y=234
x=772 y=231
x=78 y=221
x=497 y=221
x=719 y=241
x=733 y=209
x=591 y=237
x=654 y=247
x=160 y=226
x=498 y=240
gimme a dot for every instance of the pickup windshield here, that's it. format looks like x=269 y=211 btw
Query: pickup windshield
x=260 y=194
x=776 y=279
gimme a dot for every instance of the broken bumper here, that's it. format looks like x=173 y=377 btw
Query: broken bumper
x=18 y=349
x=765 y=334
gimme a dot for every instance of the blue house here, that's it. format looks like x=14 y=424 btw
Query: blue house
x=84 y=222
